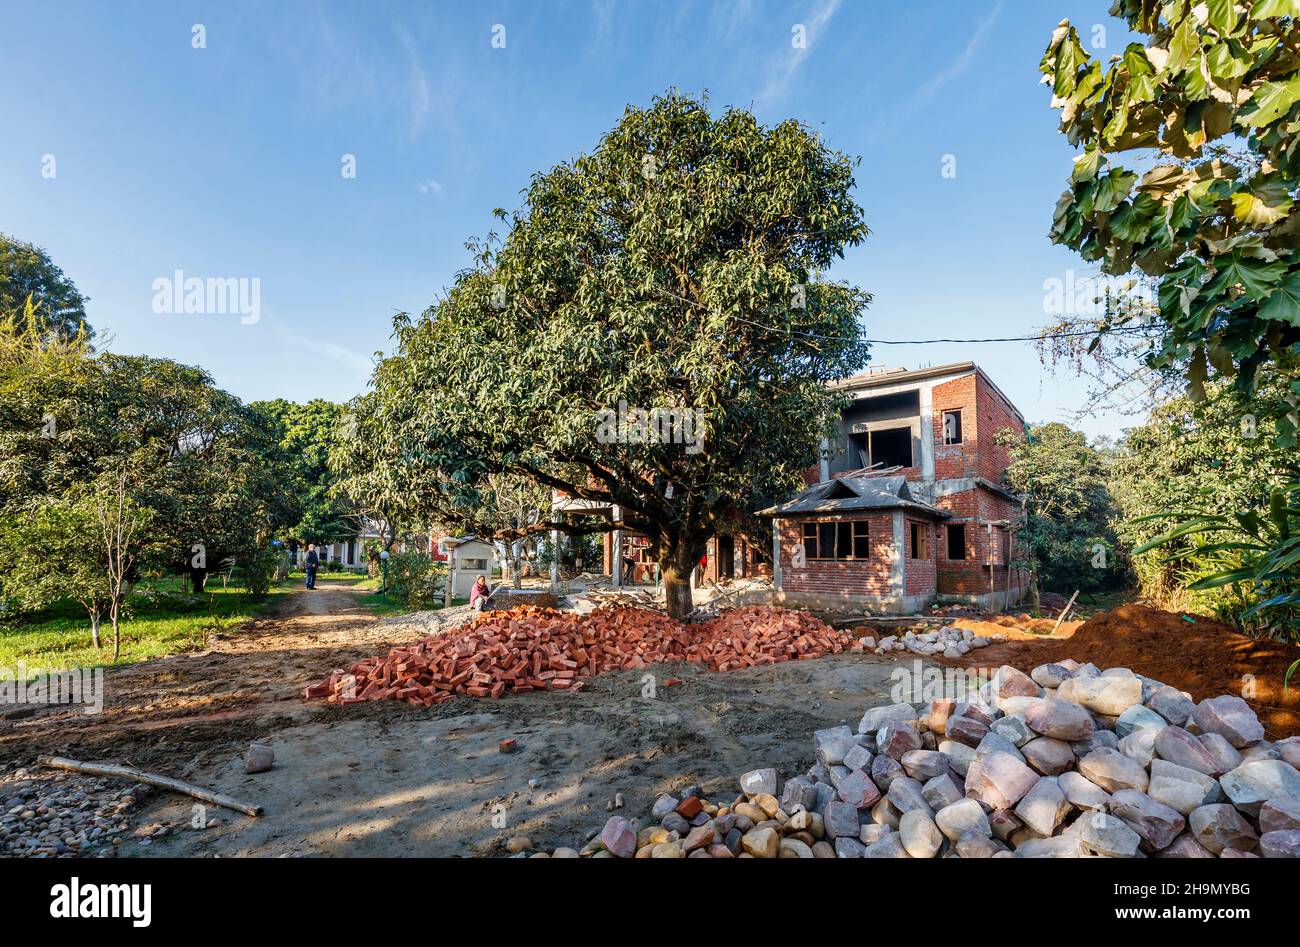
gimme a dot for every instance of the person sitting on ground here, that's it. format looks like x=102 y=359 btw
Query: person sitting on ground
x=479 y=594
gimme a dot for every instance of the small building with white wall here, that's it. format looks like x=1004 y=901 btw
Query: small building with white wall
x=468 y=557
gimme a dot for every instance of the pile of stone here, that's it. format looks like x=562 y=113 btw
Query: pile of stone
x=1068 y=761
x=947 y=641
x=63 y=815
x=529 y=649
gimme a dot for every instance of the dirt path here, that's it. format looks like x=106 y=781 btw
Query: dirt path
x=247 y=676
x=389 y=779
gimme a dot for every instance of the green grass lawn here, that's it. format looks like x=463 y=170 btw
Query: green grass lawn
x=160 y=620
x=384 y=606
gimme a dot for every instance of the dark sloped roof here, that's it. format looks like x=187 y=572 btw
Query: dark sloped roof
x=855 y=494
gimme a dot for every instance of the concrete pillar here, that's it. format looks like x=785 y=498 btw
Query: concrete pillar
x=899 y=563
x=618 y=550
x=451 y=577
x=776 y=554
x=555 y=560
x=824 y=461
x=927 y=433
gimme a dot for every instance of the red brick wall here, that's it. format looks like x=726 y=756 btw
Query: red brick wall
x=955 y=460
x=872 y=576
x=983 y=413
x=975 y=508
x=994 y=414
x=920 y=573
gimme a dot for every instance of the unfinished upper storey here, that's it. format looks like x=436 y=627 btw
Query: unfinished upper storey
x=937 y=425
x=908 y=504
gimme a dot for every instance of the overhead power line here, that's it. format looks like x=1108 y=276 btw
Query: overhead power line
x=1009 y=338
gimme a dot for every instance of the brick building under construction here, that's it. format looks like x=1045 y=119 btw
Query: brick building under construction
x=907 y=506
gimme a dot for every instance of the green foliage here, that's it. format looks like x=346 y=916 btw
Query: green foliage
x=415 y=580
x=1245 y=548
x=304 y=435
x=259 y=570
x=676 y=267
x=27 y=274
x=375 y=468
x=192 y=456
x=1216 y=91
x=1068 y=534
x=195 y=451
x=1217 y=457
x=53 y=553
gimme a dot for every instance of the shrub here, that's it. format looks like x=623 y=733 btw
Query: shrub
x=261 y=568
x=415 y=579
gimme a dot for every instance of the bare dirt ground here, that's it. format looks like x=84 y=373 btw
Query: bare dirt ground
x=388 y=779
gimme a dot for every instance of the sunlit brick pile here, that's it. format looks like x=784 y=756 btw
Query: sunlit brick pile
x=530 y=649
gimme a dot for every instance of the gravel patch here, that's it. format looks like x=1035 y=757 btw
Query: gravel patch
x=64 y=815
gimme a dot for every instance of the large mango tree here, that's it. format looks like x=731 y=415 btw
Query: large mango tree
x=653 y=332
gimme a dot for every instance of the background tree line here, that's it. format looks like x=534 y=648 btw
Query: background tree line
x=114 y=467
x=1090 y=506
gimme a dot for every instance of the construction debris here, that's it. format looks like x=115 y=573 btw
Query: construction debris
x=260 y=758
x=950 y=642
x=529 y=649
x=1069 y=761
x=504 y=598
x=626 y=596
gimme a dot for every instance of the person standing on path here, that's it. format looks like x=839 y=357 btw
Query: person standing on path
x=313 y=563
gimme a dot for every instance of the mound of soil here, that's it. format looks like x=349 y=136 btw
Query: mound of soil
x=1200 y=656
x=1017 y=627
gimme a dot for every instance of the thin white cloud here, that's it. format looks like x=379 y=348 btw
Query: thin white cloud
x=728 y=20
x=959 y=65
x=330 y=350
x=783 y=72
x=602 y=24
x=429 y=187
x=421 y=99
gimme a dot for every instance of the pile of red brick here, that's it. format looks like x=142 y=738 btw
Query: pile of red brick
x=527 y=649
x=763 y=634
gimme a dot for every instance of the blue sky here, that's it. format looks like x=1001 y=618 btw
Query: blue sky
x=225 y=161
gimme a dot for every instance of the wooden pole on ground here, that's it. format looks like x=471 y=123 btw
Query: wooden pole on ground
x=164 y=782
x=1068 y=605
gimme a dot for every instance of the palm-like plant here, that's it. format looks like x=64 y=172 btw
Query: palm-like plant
x=1244 y=548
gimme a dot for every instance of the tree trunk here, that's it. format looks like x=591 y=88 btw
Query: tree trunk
x=117 y=637
x=94 y=628
x=516 y=571
x=198 y=579
x=677 y=560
